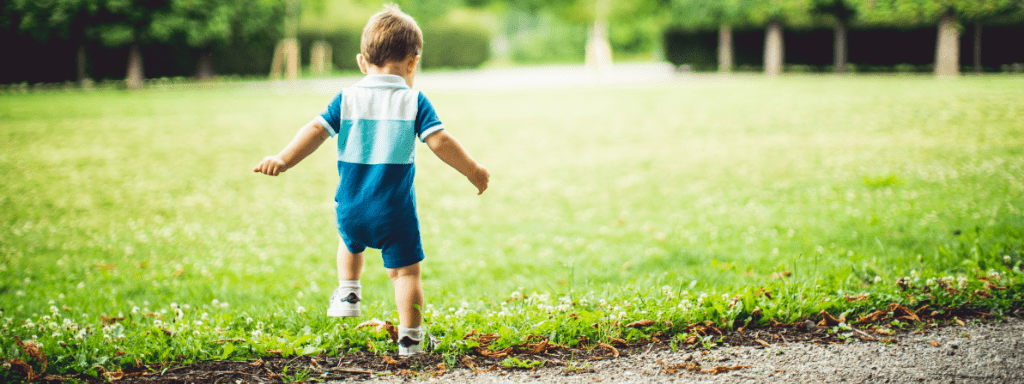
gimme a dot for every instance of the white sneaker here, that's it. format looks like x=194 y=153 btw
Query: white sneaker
x=344 y=303
x=408 y=345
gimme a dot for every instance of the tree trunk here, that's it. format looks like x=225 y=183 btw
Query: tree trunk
x=977 y=47
x=725 y=48
x=839 y=48
x=204 y=67
x=134 y=77
x=947 y=47
x=82 y=75
x=773 y=49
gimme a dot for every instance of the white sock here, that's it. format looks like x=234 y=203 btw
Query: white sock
x=348 y=286
x=413 y=333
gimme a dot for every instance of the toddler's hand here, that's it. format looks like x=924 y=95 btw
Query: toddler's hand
x=480 y=179
x=271 y=165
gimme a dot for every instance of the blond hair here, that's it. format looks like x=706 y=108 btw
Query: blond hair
x=390 y=36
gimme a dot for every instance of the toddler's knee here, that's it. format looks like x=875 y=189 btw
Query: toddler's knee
x=407 y=271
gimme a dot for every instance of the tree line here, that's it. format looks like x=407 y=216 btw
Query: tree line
x=200 y=24
x=203 y=25
x=948 y=16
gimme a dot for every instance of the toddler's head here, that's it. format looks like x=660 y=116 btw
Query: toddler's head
x=390 y=37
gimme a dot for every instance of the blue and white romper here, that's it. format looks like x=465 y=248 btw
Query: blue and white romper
x=377 y=122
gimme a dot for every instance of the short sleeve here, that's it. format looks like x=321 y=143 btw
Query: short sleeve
x=427 y=121
x=330 y=118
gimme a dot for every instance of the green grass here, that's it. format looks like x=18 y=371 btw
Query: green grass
x=606 y=205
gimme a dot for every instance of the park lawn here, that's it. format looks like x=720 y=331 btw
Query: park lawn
x=680 y=202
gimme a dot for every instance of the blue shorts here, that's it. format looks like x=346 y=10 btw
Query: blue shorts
x=399 y=245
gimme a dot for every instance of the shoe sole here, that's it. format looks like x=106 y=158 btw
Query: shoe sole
x=343 y=313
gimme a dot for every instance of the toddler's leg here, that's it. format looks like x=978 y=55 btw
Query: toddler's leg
x=345 y=299
x=350 y=265
x=412 y=338
x=408 y=294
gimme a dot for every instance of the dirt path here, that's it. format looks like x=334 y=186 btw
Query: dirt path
x=984 y=353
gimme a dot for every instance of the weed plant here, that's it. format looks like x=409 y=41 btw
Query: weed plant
x=132 y=230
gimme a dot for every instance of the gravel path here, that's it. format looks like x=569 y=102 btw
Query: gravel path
x=985 y=353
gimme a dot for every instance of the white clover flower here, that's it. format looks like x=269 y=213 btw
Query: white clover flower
x=464 y=305
x=913 y=273
x=666 y=290
x=299 y=295
x=300 y=310
x=993 y=273
x=145 y=303
x=204 y=316
x=256 y=333
x=19 y=293
x=878 y=279
x=929 y=282
x=583 y=301
x=248 y=320
x=174 y=305
x=516 y=295
x=51 y=302
x=135 y=309
x=55 y=335
x=60 y=296
x=224 y=305
x=53 y=326
x=186 y=307
x=200 y=322
x=215 y=302
x=1006 y=259
x=622 y=314
x=81 y=285
x=451 y=309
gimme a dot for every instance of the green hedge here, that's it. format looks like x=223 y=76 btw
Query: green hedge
x=443 y=47
x=455 y=47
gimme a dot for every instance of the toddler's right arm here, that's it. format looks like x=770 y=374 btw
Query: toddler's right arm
x=449 y=150
x=307 y=140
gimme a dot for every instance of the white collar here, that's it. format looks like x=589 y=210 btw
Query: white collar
x=382 y=81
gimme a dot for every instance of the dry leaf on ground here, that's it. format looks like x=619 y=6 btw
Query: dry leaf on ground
x=389 y=360
x=640 y=324
x=717 y=370
x=614 y=352
x=828 y=320
x=469 y=363
x=381 y=325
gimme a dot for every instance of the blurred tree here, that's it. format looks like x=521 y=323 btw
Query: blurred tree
x=203 y=22
x=839 y=14
x=54 y=19
x=947 y=13
x=707 y=14
x=132 y=22
x=206 y=23
x=773 y=14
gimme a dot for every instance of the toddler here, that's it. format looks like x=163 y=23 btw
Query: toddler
x=376 y=122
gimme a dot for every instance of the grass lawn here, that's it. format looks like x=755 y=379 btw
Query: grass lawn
x=606 y=205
